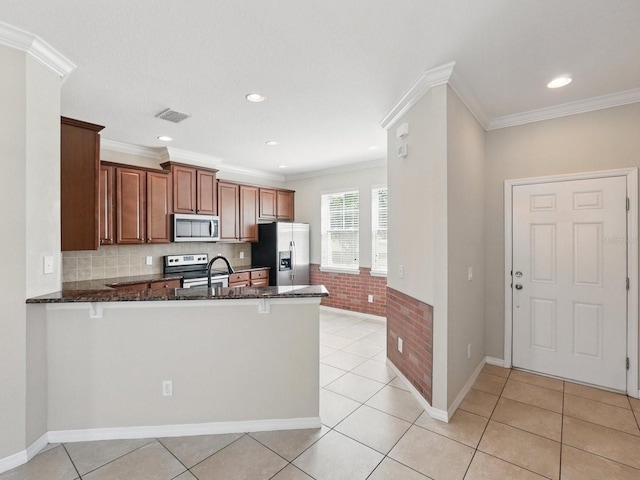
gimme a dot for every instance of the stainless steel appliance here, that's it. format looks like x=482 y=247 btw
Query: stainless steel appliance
x=193 y=269
x=284 y=248
x=195 y=228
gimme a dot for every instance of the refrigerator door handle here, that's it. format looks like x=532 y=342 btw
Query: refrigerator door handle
x=293 y=259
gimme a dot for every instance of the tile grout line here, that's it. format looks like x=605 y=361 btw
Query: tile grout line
x=71 y=460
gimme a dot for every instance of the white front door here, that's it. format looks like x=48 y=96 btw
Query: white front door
x=569 y=280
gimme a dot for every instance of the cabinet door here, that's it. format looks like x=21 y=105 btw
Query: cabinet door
x=130 y=208
x=184 y=189
x=268 y=204
x=285 y=205
x=207 y=198
x=229 y=211
x=248 y=213
x=158 y=207
x=162 y=284
x=107 y=225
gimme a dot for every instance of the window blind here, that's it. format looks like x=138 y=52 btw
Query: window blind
x=379 y=230
x=340 y=235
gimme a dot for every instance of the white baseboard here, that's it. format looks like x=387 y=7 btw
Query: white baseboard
x=90 y=434
x=432 y=412
x=467 y=386
x=24 y=456
x=368 y=316
x=498 y=362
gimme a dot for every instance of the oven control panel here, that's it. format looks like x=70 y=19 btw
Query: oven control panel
x=183 y=260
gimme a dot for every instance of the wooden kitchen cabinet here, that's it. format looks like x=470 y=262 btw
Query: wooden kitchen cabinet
x=242 y=279
x=238 y=212
x=143 y=205
x=79 y=184
x=157 y=285
x=248 y=213
x=260 y=278
x=162 y=284
x=253 y=278
x=276 y=204
x=107 y=205
x=194 y=188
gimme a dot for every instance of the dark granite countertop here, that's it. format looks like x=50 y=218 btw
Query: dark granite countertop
x=107 y=294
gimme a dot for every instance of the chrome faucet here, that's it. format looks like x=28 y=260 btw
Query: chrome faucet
x=217 y=257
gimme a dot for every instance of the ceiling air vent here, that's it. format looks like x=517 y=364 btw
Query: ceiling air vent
x=172 y=115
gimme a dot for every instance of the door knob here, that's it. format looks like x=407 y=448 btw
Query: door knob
x=518 y=286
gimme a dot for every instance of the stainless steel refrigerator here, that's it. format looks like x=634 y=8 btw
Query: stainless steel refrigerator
x=284 y=248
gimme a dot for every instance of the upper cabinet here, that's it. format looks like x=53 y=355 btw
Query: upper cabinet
x=79 y=184
x=238 y=212
x=276 y=204
x=194 y=188
x=107 y=205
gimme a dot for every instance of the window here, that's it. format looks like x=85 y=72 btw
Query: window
x=340 y=221
x=379 y=230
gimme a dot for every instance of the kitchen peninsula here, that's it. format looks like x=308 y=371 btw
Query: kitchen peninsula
x=166 y=362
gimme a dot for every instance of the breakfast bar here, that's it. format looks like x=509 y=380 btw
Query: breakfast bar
x=131 y=364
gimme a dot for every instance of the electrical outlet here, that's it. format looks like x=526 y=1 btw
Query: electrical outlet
x=470 y=274
x=400 y=344
x=401 y=271
x=167 y=388
x=148 y=260
x=48 y=264
x=468 y=351
x=370 y=298
x=241 y=254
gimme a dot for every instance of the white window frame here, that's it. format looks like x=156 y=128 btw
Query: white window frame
x=325 y=266
x=376 y=270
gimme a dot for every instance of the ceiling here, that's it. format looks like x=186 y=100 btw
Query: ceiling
x=331 y=70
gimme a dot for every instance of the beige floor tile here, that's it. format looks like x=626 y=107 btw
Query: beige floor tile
x=533 y=395
x=479 y=402
x=432 y=455
x=580 y=465
x=396 y=402
x=489 y=383
x=363 y=349
x=527 y=417
x=355 y=332
x=334 y=408
x=245 y=458
x=49 y=446
x=381 y=357
x=355 y=387
x=464 y=427
x=186 y=476
x=637 y=414
x=192 y=450
x=88 y=456
x=333 y=341
x=601 y=413
x=486 y=467
x=376 y=371
x=373 y=428
x=591 y=393
x=379 y=339
x=389 y=469
x=605 y=442
x=290 y=443
x=324 y=351
x=635 y=404
x=524 y=449
x=336 y=457
x=497 y=371
x=291 y=472
x=329 y=374
x=537 y=380
x=396 y=382
x=344 y=360
x=51 y=465
x=151 y=462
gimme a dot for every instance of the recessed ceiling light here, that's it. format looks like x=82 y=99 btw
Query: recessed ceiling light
x=255 y=97
x=272 y=143
x=164 y=138
x=282 y=166
x=560 y=82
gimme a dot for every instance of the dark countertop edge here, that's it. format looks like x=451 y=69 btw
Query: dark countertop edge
x=180 y=294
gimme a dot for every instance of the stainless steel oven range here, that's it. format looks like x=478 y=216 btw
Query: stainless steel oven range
x=193 y=268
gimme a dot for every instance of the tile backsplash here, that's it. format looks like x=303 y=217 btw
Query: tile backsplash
x=126 y=260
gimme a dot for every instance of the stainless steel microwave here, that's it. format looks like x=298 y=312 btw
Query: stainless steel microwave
x=195 y=228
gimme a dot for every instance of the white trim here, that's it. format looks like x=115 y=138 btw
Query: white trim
x=37 y=48
x=566 y=109
x=347 y=271
x=170 y=153
x=467 y=386
x=121 y=147
x=432 y=412
x=378 y=273
x=24 y=456
x=367 y=316
x=427 y=80
x=185 y=430
x=498 y=362
x=352 y=167
x=631 y=175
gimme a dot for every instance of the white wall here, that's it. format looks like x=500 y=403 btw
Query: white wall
x=307 y=203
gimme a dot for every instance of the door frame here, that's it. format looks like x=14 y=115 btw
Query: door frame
x=631 y=175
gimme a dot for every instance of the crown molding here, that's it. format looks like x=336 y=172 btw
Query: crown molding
x=113 y=146
x=37 y=48
x=582 y=106
x=426 y=81
x=175 y=154
x=352 y=167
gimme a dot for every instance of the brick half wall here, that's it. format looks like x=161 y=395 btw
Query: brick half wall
x=411 y=320
x=350 y=291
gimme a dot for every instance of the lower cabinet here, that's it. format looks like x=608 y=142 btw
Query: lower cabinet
x=254 y=278
x=158 y=285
